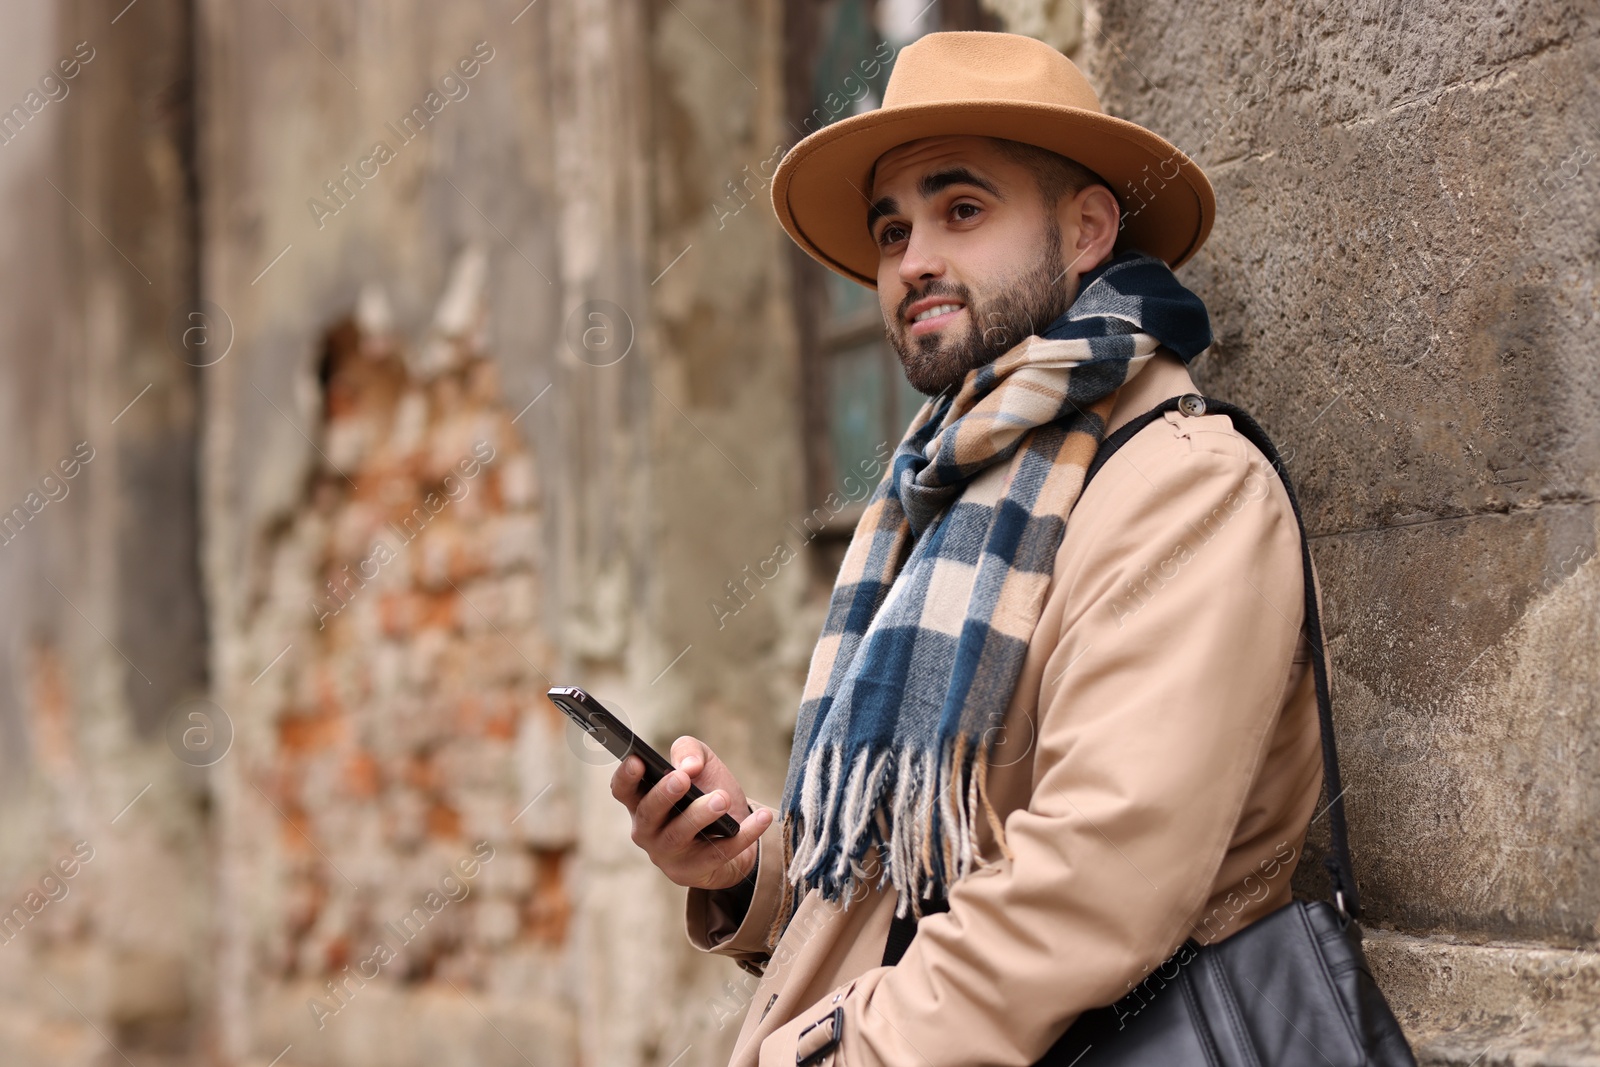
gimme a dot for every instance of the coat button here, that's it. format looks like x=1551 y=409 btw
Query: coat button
x=1192 y=404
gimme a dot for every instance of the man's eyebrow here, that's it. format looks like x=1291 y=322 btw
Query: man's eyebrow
x=884 y=205
x=940 y=179
x=928 y=186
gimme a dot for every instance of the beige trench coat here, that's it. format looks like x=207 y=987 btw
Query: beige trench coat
x=1157 y=770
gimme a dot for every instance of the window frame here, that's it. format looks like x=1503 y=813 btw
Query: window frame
x=821 y=336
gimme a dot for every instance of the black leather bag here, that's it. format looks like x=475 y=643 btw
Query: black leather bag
x=1292 y=987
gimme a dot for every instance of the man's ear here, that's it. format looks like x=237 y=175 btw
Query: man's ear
x=1097 y=215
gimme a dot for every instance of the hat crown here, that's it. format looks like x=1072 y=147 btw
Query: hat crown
x=964 y=65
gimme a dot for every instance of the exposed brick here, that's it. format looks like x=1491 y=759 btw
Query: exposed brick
x=363 y=777
x=397 y=750
x=548 y=913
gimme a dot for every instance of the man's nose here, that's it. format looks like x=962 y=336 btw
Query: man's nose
x=921 y=262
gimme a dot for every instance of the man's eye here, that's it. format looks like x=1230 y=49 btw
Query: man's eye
x=957 y=210
x=890 y=234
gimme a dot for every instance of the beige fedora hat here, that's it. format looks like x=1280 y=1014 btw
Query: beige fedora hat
x=995 y=85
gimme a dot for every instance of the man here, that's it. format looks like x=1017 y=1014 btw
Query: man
x=1087 y=721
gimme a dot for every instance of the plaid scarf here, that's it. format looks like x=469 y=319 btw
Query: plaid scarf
x=941 y=588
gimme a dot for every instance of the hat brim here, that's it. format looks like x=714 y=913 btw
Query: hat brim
x=820 y=190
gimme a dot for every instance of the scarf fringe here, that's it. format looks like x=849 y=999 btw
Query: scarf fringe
x=919 y=864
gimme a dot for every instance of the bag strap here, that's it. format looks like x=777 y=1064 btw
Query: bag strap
x=1341 y=872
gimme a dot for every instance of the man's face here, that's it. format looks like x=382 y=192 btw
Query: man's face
x=970 y=260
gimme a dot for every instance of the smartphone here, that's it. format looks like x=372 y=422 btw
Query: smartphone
x=622 y=742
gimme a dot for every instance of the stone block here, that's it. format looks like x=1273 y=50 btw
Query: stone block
x=1498 y=1002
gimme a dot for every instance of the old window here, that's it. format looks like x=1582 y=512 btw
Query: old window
x=857 y=402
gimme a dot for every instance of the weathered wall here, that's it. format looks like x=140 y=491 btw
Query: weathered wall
x=104 y=876
x=377 y=749
x=1402 y=281
x=628 y=358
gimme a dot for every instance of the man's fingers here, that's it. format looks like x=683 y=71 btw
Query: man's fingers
x=673 y=839
x=690 y=754
x=655 y=807
x=702 y=813
x=625 y=782
x=712 y=856
x=696 y=817
x=750 y=831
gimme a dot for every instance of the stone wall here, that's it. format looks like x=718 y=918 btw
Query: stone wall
x=1402 y=283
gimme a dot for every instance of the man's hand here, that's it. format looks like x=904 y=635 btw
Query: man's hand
x=670 y=838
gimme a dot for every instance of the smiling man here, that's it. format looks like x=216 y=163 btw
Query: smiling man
x=1052 y=730
x=992 y=217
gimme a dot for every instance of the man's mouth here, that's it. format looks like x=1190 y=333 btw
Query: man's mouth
x=926 y=316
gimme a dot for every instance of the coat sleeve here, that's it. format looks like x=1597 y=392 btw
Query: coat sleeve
x=1181 y=618
x=712 y=917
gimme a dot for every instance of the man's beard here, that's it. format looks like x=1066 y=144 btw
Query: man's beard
x=1020 y=307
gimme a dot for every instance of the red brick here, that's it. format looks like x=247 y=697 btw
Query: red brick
x=303 y=733
x=547 y=915
x=444 y=821
x=362 y=775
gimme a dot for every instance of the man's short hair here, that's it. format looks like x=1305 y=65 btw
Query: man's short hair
x=1056 y=175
